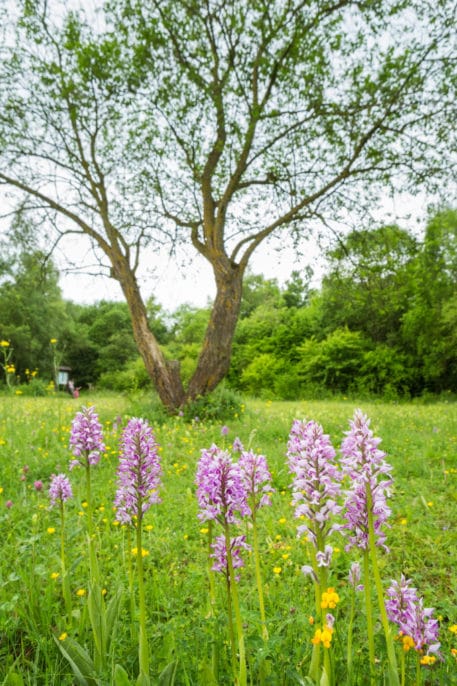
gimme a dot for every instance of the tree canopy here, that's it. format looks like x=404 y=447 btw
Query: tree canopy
x=218 y=125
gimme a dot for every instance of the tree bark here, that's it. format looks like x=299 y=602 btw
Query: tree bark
x=214 y=360
x=164 y=374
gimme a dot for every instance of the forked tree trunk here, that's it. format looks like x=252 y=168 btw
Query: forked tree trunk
x=214 y=359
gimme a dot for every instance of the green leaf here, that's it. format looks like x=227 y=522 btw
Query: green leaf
x=167 y=676
x=112 y=612
x=120 y=676
x=97 y=616
x=79 y=660
x=143 y=680
x=324 y=678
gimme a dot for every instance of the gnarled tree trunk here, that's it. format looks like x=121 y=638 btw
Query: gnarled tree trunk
x=214 y=359
x=164 y=374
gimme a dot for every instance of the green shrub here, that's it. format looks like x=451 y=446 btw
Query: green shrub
x=258 y=378
x=133 y=377
x=36 y=388
x=333 y=363
x=220 y=405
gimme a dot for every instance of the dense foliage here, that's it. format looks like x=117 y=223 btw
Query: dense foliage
x=382 y=323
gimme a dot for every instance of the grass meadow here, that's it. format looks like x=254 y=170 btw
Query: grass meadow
x=420 y=441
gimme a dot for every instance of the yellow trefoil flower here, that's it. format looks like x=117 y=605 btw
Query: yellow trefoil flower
x=330 y=598
x=408 y=643
x=428 y=660
x=323 y=636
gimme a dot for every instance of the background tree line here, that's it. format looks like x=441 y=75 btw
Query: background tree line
x=383 y=323
x=213 y=127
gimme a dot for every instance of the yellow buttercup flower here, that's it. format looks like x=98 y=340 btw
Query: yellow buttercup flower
x=51 y=530
x=63 y=636
x=81 y=592
x=55 y=575
x=4 y=344
x=144 y=553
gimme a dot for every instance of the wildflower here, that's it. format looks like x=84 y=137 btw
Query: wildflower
x=237 y=446
x=354 y=576
x=256 y=479
x=316 y=484
x=81 y=592
x=219 y=554
x=406 y=609
x=323 y=636
x=55 y=575
x=144 y=552
x=63 y=636
x=408 y=643
x=277 y=570
x=60 y=489
x=453 y=628
x=4 y=344
x=138 y=472
x=224 y=430
x=221 y=491
x=86 y=439
x=329 y=598
x=51 y=530
x=323 y=558
x=9 y=504
x=364 y=465
x=38 y=485
x=428 y=660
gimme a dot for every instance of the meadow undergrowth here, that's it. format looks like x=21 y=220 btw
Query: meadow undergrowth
x=186 y=607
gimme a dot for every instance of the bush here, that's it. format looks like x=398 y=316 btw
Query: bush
x=132 y=378
x=220 y=405
x=333 y=363
x=36 y=388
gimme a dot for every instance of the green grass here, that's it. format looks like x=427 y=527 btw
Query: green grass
x=421 y=443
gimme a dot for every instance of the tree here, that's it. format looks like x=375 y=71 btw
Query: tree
x=370 y=284
x=218 y=124
x=428 y=327
x=31 y=313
